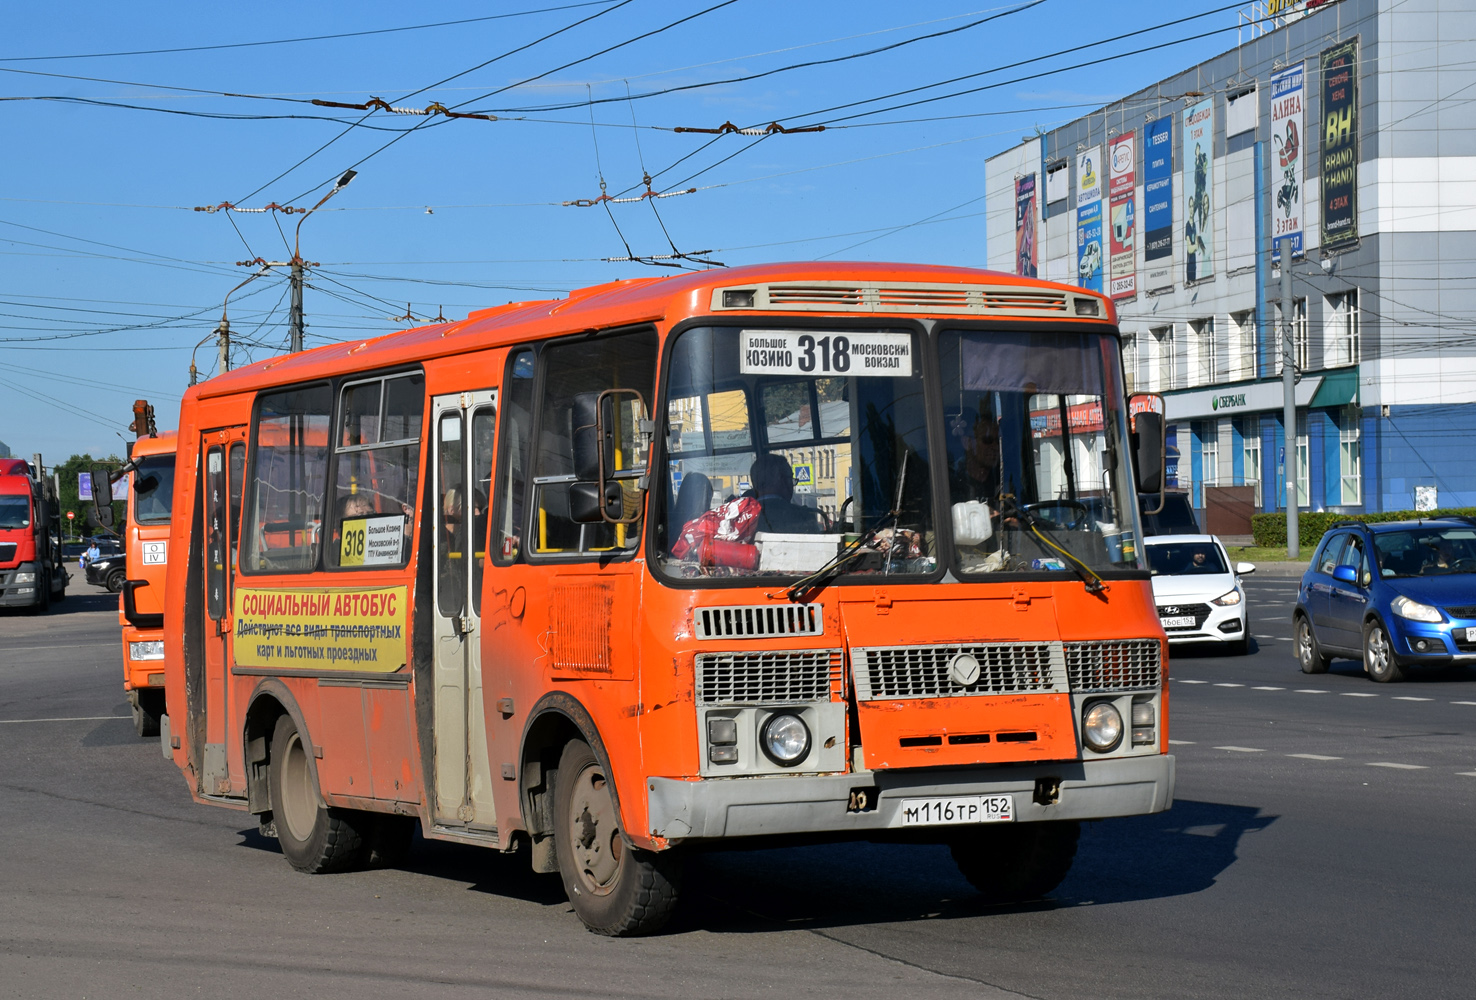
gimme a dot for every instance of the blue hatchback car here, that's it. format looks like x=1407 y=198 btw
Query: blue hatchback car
x=1393 y=595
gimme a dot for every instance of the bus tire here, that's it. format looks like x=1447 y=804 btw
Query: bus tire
x=314 y=838
x=616 y=889
x=147 y=705
x=1016 y=862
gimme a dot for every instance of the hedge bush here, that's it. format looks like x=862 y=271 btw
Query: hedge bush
x=1270 y=529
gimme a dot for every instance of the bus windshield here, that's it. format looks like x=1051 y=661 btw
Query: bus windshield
x=784 y=445
x=15 y=512
x=1037 y=458
x=153 y=489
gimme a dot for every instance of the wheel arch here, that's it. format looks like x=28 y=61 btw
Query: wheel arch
x=557 y=719
x=269 y=701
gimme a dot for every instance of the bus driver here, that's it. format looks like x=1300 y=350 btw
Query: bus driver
x=773 y=485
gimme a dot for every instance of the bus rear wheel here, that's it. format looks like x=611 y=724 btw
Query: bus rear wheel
x=1016 y=862
x=314 y=838
x=616 y=889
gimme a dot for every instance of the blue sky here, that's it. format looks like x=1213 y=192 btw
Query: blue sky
x=462 y=214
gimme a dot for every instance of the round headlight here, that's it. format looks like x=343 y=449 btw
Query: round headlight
x=1101 y=726
x=785 y=739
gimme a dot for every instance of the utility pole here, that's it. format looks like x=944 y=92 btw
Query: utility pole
x=223 y=342
x=294 y=317
x=1289 y=401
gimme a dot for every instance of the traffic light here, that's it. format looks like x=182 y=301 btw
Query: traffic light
x=143 y=419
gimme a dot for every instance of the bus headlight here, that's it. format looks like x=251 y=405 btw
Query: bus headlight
x=1101 y=726
x=146 y=650
x=785 y=739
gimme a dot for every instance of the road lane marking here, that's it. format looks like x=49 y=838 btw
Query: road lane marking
x=1463 y=703
x=69 y=718
x=1358 y=694
x=57 y=645
x=1242 y=749
x=1309 y=691
x=1267 y=688
x=1313 y=756
x=1407 y=697
x=1402 y=767
x=1467 y=774
x=1182 y=743
x=1223 y=684
x=1181 y=681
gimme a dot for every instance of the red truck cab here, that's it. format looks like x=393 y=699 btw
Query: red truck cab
x=31 y=571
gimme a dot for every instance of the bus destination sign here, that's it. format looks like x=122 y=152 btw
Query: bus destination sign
x=819 y=352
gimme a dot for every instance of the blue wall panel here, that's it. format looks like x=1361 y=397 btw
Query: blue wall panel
x=1427 y=446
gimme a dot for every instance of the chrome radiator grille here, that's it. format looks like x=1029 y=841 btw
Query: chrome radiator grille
x=1113 y=665
x=752 y=678
x=758 y=621
x=927 y=671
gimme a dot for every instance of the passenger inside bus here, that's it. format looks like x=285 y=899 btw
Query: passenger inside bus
x=773 y=486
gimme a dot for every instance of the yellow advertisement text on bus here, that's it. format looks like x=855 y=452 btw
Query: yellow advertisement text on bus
x=321 y=629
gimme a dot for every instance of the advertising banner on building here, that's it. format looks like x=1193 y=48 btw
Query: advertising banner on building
x=1340 y=146
x=1122 y=180
x=1286 y=164
x=1158 y=205
x=1026 y=264
x=1089 y=250
x=1199 y=189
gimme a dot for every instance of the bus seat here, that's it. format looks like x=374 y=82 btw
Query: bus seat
x=692 y=501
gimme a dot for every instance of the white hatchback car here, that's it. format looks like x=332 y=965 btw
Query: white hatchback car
x=1199 y=598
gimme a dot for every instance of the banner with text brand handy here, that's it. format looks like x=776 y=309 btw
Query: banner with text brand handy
x=1287 y=106
x=1340 y=146
x=1089 y=250
x=1122 y=179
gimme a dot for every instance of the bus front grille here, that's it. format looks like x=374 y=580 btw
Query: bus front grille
x=769 y=677
x=1113 y=665
x=758 y=621
x=945 y=671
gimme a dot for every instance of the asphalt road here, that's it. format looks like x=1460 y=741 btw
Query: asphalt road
x=1320 y=846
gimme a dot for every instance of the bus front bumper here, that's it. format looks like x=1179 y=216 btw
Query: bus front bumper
x=816 y=804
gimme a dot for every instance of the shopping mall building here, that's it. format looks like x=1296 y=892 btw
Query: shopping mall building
x=1345 y=137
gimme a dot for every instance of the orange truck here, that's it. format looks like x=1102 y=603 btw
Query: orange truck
x=141 y=601
x=751 y=555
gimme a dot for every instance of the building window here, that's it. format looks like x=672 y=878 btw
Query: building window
x=1301 y=349
x=1243 y=328
x=1058 y=181
x=1350 y=458
x=1163 y=345
x=1130 y=361
x=1209 y=454
x=1302 y=471
x=1204 y=348
x=1343 y=331
x=1250 y=452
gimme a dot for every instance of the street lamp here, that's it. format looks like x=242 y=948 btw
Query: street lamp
x=294 y=317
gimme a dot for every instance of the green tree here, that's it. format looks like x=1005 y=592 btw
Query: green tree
x=70 y=500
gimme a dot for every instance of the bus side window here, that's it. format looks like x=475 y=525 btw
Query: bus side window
x=624 y=361
x=517 y=427
x=285 y=514
x=483 y=428
x=237 y=470
x=376 y=472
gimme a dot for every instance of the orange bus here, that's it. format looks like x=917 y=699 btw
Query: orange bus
x=141 y=601
x=820 y=551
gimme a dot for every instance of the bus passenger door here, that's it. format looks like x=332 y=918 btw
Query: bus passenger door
x=464 y=425
x=224 y=452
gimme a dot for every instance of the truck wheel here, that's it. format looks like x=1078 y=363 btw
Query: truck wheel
x=1015 y=862
x=616 y=889
x=148 y=705
x=43 y=594
x=314 y=838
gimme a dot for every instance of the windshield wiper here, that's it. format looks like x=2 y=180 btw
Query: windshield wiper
x=807 y=586
x=1094 y=583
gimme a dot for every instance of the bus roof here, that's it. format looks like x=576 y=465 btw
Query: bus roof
x=868 y=288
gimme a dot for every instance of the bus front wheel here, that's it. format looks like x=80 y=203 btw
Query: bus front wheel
x=1016 y=862
x=314 y=838
x=616 y=889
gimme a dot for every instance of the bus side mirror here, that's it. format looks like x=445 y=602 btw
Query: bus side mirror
x=588 y=505
x=102 y=496
x=1148 y=452
x=588 y=436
